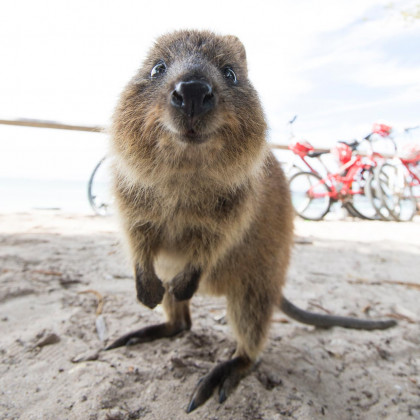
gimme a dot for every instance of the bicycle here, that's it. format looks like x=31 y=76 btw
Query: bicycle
x=396 y=179
x=98 y=191
x=313 y=194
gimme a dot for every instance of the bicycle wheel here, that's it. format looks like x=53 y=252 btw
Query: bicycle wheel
x=395 y=191
x=290 y=169
x=373 y=193
x=99 y=194
x=359 y=202
x=310 y=195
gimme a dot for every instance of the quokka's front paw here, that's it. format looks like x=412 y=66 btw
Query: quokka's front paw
x=184 y=285
x=150 y=289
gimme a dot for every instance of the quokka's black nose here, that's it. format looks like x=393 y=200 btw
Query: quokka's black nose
x=193 y=98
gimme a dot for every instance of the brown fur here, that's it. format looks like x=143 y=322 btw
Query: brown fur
x=223 y=204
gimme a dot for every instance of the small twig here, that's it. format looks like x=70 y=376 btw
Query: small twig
x=100 y=299
x=47 y=272
x=100 y=321
x=320 y=307
x=281 y=320
x=376 y=282
x=401 y=317
x=403 y=283
x=366 y=309
x=303 y=241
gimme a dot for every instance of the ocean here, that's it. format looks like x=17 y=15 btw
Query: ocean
x=22 y=195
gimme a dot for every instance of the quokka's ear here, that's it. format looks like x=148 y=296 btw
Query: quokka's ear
x=237 y=46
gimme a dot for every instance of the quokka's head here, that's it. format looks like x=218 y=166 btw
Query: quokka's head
x=191 y=94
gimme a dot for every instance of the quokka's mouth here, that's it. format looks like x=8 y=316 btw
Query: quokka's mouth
x=194 y=137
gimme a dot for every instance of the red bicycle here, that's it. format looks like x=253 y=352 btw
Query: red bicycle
x=398 y=182
x=313 y=194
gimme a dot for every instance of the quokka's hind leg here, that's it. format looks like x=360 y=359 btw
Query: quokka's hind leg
x=178 y=320
x=249 y=314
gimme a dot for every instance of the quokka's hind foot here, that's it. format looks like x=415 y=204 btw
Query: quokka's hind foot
x=179 y=320
x=146 y=334
x=225 y=376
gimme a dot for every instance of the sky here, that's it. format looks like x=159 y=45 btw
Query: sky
x=339 y=65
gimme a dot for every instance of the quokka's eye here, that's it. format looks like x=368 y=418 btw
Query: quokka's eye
x=230 y=75
x=158 y=69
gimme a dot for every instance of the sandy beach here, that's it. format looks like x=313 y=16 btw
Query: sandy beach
x=66 y=290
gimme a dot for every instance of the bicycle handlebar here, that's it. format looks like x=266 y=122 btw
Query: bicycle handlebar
x=353 y=145
x=411 y=128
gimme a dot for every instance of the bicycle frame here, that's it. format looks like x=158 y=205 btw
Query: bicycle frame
x=303 y=158
x=339 y=185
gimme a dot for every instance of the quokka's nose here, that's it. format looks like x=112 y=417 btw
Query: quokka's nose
x=193 y=97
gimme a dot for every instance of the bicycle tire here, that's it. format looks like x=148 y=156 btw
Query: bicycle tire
x=350 y=210
x=306 y=207
x=372 y=192
x=359 y=201
x=101 y=208
x=290 y=170
x=396 y=192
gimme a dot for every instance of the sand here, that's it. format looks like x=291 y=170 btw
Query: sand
x=66 y=290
